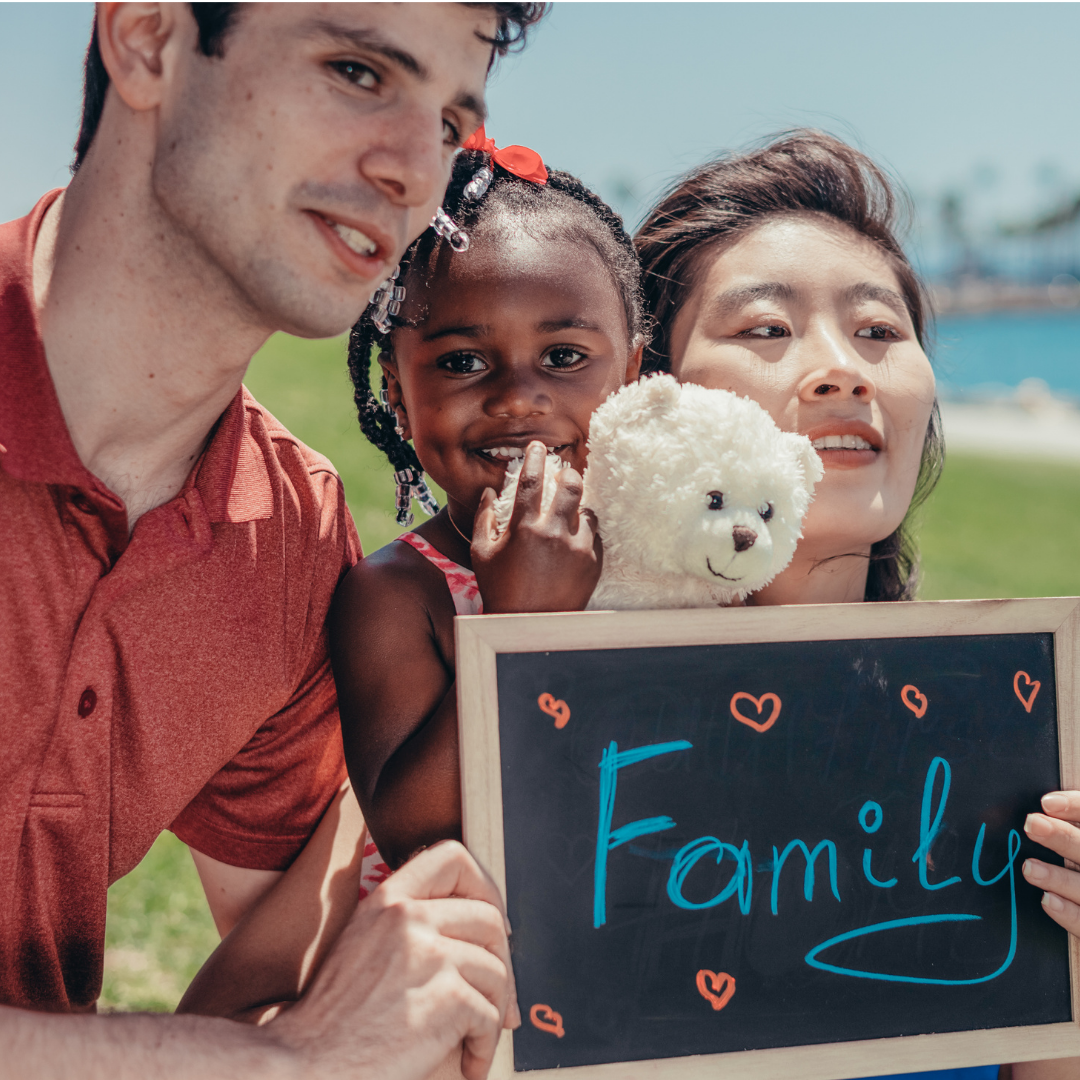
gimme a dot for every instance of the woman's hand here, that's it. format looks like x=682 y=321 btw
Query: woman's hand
x=544 y=561
x=1055 y=830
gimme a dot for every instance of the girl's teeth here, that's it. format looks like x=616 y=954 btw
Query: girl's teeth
x=841 y=442
x=508 y=453
x=355 y=239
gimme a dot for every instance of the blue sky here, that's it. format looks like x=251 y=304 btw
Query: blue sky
x=973 y=95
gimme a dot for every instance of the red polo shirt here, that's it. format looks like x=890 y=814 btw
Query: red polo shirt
x=175 y=679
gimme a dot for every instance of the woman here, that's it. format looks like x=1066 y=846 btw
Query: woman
x=777 y=274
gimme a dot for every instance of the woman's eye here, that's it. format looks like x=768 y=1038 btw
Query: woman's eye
x=771 y=331
x=716 y=500
x=564 y=358
x=356 y=73
x=878 y=333
x=766 y=511
x=462 y=363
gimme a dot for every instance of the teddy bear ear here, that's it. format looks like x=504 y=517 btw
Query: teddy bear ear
x=808 y=457
x=659 y=392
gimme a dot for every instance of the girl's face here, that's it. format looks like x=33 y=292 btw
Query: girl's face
x=519 y=339
x=806 y=317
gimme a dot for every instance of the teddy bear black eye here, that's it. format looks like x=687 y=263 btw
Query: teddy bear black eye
x=767 y=513
x=716 y=500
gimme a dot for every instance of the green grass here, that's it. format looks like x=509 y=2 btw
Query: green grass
x=992 y=528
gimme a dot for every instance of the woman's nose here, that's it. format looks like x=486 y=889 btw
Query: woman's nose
x=835 y=371
x=517 y=396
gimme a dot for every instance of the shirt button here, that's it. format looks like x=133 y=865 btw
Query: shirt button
x=87 y=703
x=81 y=502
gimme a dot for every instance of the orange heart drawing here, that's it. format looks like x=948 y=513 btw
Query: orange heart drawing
x=1027 y=702
x=546 y=1018
x=555 y=707
x=920 y=709
x=758 y=703
x=723 y=987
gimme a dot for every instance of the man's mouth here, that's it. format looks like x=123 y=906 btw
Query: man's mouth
x=353 y=239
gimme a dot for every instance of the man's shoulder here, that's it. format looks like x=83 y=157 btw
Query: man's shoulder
x=286 y=446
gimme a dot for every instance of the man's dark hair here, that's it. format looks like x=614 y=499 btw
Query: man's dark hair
x=215 y=21
x=801 y=172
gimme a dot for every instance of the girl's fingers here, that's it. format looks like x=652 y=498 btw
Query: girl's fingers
x=483 y=532
x=1062 y=804
x=1059 y=836
x=530 y=489
x=1064 y=912
x=566 y=503
x=1054 y=879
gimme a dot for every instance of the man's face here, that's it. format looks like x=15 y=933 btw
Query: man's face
x=304 y=161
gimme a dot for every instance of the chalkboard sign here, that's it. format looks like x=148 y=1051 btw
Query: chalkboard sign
x=784 y=841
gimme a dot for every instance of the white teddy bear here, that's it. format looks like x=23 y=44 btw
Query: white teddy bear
x=699 y=496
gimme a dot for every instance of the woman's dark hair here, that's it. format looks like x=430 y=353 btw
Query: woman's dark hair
x=563 y=208
x=214 y=22
x=800 y=172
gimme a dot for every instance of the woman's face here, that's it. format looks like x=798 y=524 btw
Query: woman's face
x=806 y=317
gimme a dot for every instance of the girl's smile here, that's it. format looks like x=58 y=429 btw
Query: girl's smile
x=522 y=339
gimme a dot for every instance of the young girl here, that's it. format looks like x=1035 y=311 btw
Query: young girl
x=777 y=274
x=502 y=347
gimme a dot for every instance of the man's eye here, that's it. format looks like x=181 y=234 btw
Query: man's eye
x=356 y=73
x=883 y=332
x=564 y=358
x=451 y=133
x=772 y=331
x=462 y=363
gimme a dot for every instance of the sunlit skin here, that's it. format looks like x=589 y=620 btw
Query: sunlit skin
x=806 y=317
x=514 y=345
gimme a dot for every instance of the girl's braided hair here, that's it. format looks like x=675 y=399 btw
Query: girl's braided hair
x=563 y=209
x=802 y=171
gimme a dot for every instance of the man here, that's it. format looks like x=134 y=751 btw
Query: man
x=170 y=551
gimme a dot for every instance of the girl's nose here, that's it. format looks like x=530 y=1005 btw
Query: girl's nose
x=836 y=371
x=517 y=396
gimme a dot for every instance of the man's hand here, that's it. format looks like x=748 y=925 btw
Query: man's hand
x=422 y=967
x=543 y=562
x=1055 y=830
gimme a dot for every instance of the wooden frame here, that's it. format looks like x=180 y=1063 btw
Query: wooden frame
x=480 y=638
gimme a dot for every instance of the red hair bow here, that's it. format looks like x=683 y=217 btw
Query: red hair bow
x=519 y=160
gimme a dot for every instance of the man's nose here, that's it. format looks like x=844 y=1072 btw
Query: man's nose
x=744 y=537
x=408 y=160
x=835 y=370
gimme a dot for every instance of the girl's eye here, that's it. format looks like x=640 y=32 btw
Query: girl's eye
x=883 y=332
x=564 y=358
x=771 y=331
x=716 y=500
x=766 y=512
x=356 y=73
x=462 y=363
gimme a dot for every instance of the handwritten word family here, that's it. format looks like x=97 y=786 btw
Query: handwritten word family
x=819 y=862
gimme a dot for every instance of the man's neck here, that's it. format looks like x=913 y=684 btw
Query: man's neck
x=146 y=341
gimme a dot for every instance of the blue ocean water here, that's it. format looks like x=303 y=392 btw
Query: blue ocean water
x=1005 y=347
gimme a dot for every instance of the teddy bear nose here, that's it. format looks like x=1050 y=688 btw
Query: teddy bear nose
x=744 y=537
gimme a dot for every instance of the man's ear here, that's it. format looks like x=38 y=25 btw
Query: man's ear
x=138 y=43
x=395 y=395
x=633 y=365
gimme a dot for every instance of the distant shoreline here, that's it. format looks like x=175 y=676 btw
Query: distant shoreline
x=978 y=296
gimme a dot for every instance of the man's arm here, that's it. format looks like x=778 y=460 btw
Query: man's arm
x=231 y=891
x=422 y=966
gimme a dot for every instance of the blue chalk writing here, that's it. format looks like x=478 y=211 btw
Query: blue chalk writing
x=928 y=832
x=611 y=761
x=808 y=874
x=869 y=875
x=687 y=859
x=870 y=807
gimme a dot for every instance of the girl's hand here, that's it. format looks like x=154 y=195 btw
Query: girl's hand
x=1055 y=830
x=543 y=562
